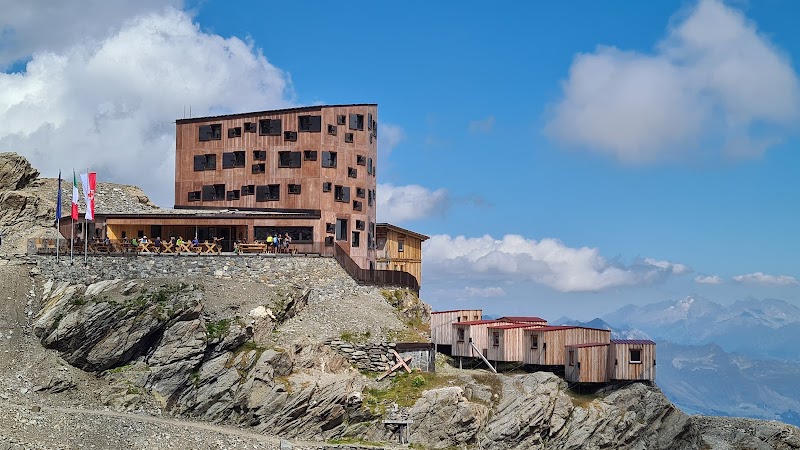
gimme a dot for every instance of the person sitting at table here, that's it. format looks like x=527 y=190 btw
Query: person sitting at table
x=106 y=241
x=269 y=243
x=195 y=242
x=143 y=240
x=157 y=244
x=134 y=242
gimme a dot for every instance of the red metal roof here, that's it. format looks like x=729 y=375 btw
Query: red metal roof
x=522 y=319
x=565 y=327
x=479 y=322
x=453 y=310
x=593 y=344
x=633 y=341
x=513 y=325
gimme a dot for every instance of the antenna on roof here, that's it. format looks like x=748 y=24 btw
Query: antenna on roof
x=184 y=111
x=190 y=111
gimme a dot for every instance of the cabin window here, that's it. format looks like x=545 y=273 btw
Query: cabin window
x=370 y=168
x=535 y=341
x=270 y=127
x=231 y=160
x=330 y=228
x=290 y=135
x=401 y=245
x=249 y=189
x=361 y=192
x=194 y=196
x=232 y=195
x=371 y=198
x=369 y=121
x=205 y=162
x=326 y=186
x=460 y=334
x=298 y=234
x=329 y=241
x=495 y=338
x=332 y=129
x=259 y=168
x=356 y=240
x=289 y=159
x=360 y=225
x=636 y=356
x=348 y=137
x=310 y=124
x=361 y=160
x=357 y=205
x=340 y=119
x=310 y=155
x=260 y=155
x=213 y=192
x=294 y=188
x=357 y=122
x=571 y=357
x=235 y=132
x=328 y=159
x=210 y=132
x=352 y=172
x=341 y=194
x=269 y=192
x=249 y=127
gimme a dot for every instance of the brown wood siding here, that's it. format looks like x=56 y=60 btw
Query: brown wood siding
x=510 y=346
x=442 y=332
x=621 y=368
x=390 y=258
x=590 y=364
x=479 y=335
x=550 y=351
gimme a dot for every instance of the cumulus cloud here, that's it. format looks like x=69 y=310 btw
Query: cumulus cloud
x=390 y=136
x=482 y=126
x=763 y=278
x=485 y=292
x=708 y=279
x=674 y=268
x=714 y=82
x=398 y=204
x=548 y=262
x=110 y=104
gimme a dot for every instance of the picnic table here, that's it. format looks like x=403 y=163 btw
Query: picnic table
x=253 y=248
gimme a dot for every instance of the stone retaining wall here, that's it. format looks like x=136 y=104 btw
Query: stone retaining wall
x=366 y=357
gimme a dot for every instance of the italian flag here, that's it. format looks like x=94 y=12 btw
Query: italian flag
x=74 y=196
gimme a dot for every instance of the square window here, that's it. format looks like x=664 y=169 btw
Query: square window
x=340 y=119
x=361 y=160
x=357 y=205
x=352 y=172
x=290 y=135
x=330 y=228
x=332 y=129
x=270 y=192
x=636 y=355
x=270 y=127
x=360 y=192
x=213 y=192
x=496 y=338
x=194 y=196
x=310 y=124
x=249 y=127
x=232 y=195
x=348 y=137
x=360 y=225
x=259 y=168
x=210 y=132
x=310 y=155
x=327 y=186
x=401 y=244
x=249 y=189
x=328 y=159
x=341 y=194
x=357 y=122
x=289 y=159
x=205 y=162
x=235 y=132
x=356 y=239
x=260 y=155
x=328 y=241
x=231 y=160
x=294 y=188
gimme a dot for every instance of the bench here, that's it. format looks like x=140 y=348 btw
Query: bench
x=253 y=248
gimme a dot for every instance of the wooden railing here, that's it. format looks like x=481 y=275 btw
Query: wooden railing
x=374 y=277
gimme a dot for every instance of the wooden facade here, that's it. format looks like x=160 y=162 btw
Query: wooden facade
x=544 y=346
x=506 y=342
x=399 y=249
x=632 y=360
x=318 y=160
x=442 y=332
x=475 y=332
x=586 y=363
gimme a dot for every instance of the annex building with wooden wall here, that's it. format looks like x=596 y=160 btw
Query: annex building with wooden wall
x=399 y=249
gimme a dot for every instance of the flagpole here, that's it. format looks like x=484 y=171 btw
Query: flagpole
x=71 y=237
x=58 y=218
x=86 y=223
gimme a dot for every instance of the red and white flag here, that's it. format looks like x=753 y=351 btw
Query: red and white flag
x=74 y=196
x=89 y=180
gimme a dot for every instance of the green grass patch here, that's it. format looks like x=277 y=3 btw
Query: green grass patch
x=581 y=399
x=79 y=300
x=119 y=369
x=405 y=389
x=218 y=329
x=354 y=337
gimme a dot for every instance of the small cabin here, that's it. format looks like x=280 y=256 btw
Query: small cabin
x=544 y=346
x=399 y=249
x=506 y=342
x=586 y=363
x=442 y=333
x=632 y=359
x=472 y=332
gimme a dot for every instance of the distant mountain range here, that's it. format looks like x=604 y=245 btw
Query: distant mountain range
x=616 y=332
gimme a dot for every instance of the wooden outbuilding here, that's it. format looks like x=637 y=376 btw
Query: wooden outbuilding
x=442 y=332
x=506 y=342
x=632 y=359
x=399 y=249
x=472 y=332
x=586 y=363
x=544 y=346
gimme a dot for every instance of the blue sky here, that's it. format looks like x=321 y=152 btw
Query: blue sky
x=640 y=151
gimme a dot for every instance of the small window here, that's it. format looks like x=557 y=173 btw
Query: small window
x=340 y=119
x=260 y=155
x=348 y=137
x=370 y=197
x=357 y=205
x=235 y=132
x=213 y=192
x=369 y=166
x=460 y=333
x=361 y=160
x=328 y=241
x=330 y=228
x=270 y=192
x=356 y=239
x=289 y=159
x=294 y=188
x=496 y=338
x=375 y=128
x=328 y=159
x=270 y=127
x=636 y=356
x=357 y=122
x=332 y=129
x=341 y=194
x=310 y=124
x=370 y=139
x=310 y=155
x=360 y=192
x=205 y=162
x=259 y=168
x=249 y=127
x=290 y=135
x=210 y=132
x=327 y=186
x=571 y=357
x=232 y=160
x=535 y=341
x=369 y=121
x=232 y=195
x=360 y=225
x=401 y=245
x=352 y=172
x=249 y=189
x=194 y=196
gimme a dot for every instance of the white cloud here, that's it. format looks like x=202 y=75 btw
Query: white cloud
x=708 y=279
x=762 y=278
x=675 y=268
x=548 y=262
x=398 y=204
x=110 y=104
x=485 y=292
x=713 y=82
x=390 y=135
x=482 y=126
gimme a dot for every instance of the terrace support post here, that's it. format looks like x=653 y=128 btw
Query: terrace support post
x=459 y=363
x=483 y=357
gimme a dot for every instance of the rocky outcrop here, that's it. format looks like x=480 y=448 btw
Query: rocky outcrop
x=15 y=172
